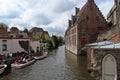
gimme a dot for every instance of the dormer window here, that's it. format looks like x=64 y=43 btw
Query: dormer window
x=97 y=18
x=4 y=45
x=11 y=36
x=21 y=36
x=87 y=18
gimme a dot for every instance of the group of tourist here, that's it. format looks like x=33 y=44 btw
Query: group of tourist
x=23 y=55
x=23 y=59
x=10 y=55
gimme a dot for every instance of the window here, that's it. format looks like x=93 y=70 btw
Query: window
x=11 y=36
x=21 y=36
x=83 y=41
x=4 y=45
x=97 y=18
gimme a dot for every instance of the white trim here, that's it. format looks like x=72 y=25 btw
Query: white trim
x=109 y=55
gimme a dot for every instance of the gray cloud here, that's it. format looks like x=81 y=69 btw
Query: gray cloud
x=52 y=15
x=57 y=30
x=63 y=6
x=10 y=15
x=41 y=19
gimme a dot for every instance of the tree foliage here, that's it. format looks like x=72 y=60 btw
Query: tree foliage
x=47 y=37
x=55 y=41
x=60 y=39
x=36 y=37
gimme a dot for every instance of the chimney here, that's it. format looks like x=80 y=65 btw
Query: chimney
x=90 y=1
x=76 y=10
x=69 y=22
x=73 y=19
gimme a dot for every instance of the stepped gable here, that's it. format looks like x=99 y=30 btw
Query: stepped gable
x=84 y=27
x=91 y=10
x=90 y=21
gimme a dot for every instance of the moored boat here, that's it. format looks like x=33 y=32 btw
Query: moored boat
x=21 y=65
x=44 y=55
x=2 y=68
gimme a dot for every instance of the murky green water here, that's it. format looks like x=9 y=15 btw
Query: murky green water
x=57 y=66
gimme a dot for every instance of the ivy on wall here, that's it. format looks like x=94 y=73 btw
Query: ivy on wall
x=24 y=45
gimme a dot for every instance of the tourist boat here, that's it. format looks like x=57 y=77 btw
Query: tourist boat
x=2 y=68
x=13 y=65
x=42 y=56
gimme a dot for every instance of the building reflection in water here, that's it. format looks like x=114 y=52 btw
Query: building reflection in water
x=77 y=65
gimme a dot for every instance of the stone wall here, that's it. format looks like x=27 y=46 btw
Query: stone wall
x=98 y=55
x=70 y=40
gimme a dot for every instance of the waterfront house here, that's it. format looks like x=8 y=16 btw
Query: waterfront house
x=8 y=43
x=11 y=45
x=84 y=27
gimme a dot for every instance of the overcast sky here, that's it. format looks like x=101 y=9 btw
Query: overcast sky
x=51 y=15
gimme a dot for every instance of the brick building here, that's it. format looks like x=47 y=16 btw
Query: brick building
x=10 y=44
x=84 y=27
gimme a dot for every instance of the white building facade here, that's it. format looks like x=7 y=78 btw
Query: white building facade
x=11 y=45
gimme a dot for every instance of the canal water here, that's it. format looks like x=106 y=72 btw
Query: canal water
x=59 y=65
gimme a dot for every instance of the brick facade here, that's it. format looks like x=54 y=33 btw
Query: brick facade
x=84 y=27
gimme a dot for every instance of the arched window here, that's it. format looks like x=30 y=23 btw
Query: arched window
x=109 y=68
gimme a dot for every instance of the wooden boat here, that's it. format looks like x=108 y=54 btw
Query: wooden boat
x=2 y=68
x=13 y=65
x=44 y=55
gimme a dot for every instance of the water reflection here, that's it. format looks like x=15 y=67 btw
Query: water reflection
x=57 y=66
x=78 y=66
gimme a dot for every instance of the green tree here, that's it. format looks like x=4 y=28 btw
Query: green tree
x=36 y=37
x=60 y=39
x=55 y=41
x=49 y=44
x=47 y=37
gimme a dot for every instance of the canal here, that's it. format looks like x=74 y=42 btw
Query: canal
x=59 y=65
